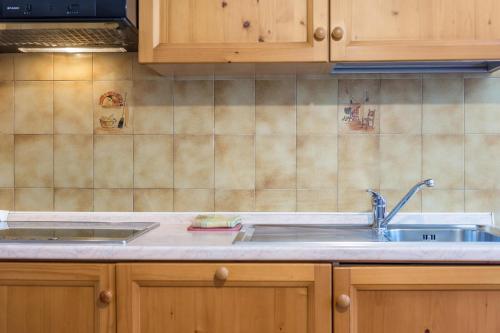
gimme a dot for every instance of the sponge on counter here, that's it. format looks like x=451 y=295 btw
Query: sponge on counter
x=217 y=222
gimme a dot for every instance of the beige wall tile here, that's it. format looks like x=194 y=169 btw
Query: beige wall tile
x=73 y=66
x=34 y=161
x=6 y=67
x=194 y=161
x=482 y=162
x=276 y=200
x=153 y=200
x=73 y=162
x=481 y=106
x=123 y=88
x=194 y=107
x=400 y=161
x=276 y=162
x=113 y=200
x=6 y=107
x=316 y=162
x=483 y=201
x=153 y=161
x=443 y=160
x=73 y=200
x=234 y=162
x=443 y=200
x=34 y=67
x=443 y=106
x=7 y=199
x=401 y=107
x=6 y=160
x=34 y=118
x=73 y=107
x=234 y=200
x=152 y=106
x=358 y=162
x=275 y=110
x=317 y=106
x=34 y=199
x=317 y=200
x=234 y=107
x=350 y=200
x=112 y=66
x=194 y=200
x=394 y=196
x=113 y=161
x=364 y=91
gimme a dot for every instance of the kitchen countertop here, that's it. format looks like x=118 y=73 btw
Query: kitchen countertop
x=172 y=242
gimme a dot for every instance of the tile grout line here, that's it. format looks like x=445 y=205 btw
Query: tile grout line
x=173 y=142
x=53 y=142
x=296 y=149
x=463 y=141
x=213 y=141
x=422 y=138
x=14 y=130
x=93 y=135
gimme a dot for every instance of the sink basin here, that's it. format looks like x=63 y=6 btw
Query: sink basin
x=74 y=232
x=443 y=233
x=310 y=233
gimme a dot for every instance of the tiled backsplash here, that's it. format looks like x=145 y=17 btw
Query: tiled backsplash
x=249 y=144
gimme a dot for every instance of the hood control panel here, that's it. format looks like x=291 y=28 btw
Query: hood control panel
x=47 y=9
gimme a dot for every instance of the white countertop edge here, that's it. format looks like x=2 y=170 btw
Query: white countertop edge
x=346 y=252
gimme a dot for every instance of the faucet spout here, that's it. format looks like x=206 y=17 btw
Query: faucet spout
x=405 y=199
x=380 y=220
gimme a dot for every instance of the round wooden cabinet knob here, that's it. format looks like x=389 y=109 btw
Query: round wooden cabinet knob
x=343 y=301
x=320 y=34
x=105 y=296
x=222 y=273
x=337 y=33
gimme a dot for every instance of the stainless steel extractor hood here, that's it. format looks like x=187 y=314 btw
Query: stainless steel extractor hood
x=416 y=67
x=68 y=25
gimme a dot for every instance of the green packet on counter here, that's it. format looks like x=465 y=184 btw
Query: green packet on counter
x=216 y=221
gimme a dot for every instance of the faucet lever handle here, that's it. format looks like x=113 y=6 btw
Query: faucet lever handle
x=374 y=194
x=376 y=197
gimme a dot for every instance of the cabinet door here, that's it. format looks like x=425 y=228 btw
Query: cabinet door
x=367 y=30
x=224 y=298
x=56 y=298
x=417 y=299
x=221 y=31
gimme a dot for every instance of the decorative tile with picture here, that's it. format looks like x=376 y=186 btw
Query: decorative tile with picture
x=358 y=110
x=112 y=114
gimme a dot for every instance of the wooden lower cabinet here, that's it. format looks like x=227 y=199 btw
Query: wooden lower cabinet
x=57 y=298
x=224 y=298
x=417 y=299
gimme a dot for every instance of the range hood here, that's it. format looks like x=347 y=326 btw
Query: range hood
x=416 y=67
x=68 y=26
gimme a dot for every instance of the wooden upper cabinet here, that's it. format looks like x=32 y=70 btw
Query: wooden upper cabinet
x=224 y=298
x=222 y=31
x=417 y=299
x=367 y=30
x=57 y=298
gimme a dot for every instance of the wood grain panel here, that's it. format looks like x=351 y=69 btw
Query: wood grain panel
x=418 y=299
x=416 y=30
x=55 y=298
x=267 y=298
x=215 y=31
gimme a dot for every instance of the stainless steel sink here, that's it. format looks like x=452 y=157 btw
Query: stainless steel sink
x=443 y=233
x=310 y=233
x=74 y=232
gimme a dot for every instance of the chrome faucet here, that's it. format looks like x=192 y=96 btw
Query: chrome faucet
x=380 y=220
